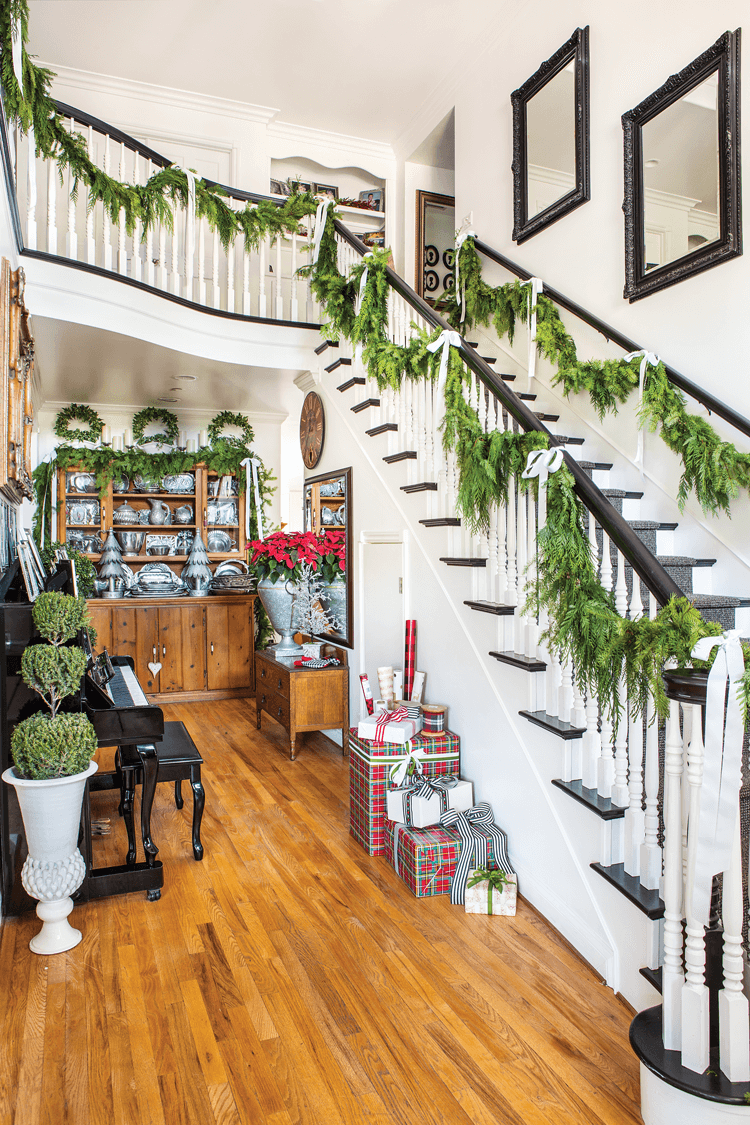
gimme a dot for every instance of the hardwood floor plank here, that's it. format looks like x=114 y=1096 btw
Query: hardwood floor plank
x=144 y=1062
x=76 y=1070
x=203 y=1036
x=28 y=1102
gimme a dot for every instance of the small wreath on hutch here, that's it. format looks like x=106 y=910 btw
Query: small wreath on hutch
x=226 y=418
x=154 y=414
x=76 y=413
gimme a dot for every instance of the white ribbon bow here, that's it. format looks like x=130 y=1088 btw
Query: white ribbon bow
x=17 y=57
x=541 y=462
x=647 y=358
x=363 y=281
x=445 y=340
x=321 y=218
x=722 y=769
x=253 y=463
x=400 y=769
x=460 y=239
x=536 y=286
x=189 y=220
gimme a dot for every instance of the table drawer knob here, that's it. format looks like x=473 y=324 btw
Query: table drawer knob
x=262 y=700
x=281 y=683
x=263 y=673
x=280 y=711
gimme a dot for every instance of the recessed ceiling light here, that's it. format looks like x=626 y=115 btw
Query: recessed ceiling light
x=651 y=163
x=167 y=400
x=189 y=378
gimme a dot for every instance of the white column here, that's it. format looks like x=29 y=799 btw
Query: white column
x=163 y=279
x=175 y=270
x=230 y=279
x=519 y=645
x=672 y=975
x=137 y=232
x=694 y=990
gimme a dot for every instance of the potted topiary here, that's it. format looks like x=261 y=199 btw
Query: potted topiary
x=52 y=753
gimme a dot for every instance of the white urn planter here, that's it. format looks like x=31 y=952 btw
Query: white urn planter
x=54 y=868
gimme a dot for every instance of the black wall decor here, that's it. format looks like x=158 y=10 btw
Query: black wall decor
x=641 y=276
x=576 y=50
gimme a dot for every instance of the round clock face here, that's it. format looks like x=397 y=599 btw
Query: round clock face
x=312 y=429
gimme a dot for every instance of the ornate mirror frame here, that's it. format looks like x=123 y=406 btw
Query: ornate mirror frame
x=577 y=50
x=723 y=56
x=311 y=522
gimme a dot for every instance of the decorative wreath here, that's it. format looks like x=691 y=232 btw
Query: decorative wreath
x=226 y=418
x=76 y=413
x=154 y=414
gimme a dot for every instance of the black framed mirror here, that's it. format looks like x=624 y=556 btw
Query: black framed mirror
x=328 y=507
x=682 y=173
x=551 y=139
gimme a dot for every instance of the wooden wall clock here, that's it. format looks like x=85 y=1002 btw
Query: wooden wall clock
x=312 y=429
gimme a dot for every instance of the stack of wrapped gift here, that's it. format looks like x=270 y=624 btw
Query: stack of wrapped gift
x=377 y=751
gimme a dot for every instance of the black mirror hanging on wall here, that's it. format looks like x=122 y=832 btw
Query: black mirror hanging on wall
x=682 y=198
x=551 y=139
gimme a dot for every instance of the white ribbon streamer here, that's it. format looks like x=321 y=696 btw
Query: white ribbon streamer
x=461 y=237
x=321 y=218
x=541 y=462
x=536 y=286
x=399 y=771
x=363 y=281
x=445 y=340
x=253 y=463
x=647 y=358
x=189 y=221
x=722 y=769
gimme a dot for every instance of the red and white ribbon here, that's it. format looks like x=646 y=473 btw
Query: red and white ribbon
x=648 y=358
x=383 y=719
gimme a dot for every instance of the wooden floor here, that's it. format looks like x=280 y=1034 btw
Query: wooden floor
x=291 y=978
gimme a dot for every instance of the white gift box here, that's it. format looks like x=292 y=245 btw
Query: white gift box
x=393 y=732
x=426 y=810
x=503 y=902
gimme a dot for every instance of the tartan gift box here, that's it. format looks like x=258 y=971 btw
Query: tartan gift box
x=426 y=858
x=369 y=769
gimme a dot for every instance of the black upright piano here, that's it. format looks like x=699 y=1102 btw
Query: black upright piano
x=121 y=716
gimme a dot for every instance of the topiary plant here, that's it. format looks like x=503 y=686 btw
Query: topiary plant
x=54 y=745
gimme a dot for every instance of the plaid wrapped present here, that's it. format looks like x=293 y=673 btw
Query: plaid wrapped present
x=369 y=778
x=426 y=858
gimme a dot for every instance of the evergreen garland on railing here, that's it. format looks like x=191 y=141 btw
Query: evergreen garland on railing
x=150 y=204
x=714 y=470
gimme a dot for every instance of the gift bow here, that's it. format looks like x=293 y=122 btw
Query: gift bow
x=420 y=786
x=383 y=719
x=541 y=462
x=445 y=340
x=254 y=464
x=648 y=358
x=412 y=761
x=321 y=218
x=474 y=844
x=495 y=880
x=722 y=769
x=536 y=286
x=363 y=280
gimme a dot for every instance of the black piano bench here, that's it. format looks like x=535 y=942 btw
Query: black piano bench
x=179 y=761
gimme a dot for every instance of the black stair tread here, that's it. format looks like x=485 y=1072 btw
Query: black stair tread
x=712 y=1086
x=718 y=600
x=342 y=361
x=620 y=494
x=561 y=440
x=667 y=526
x=528 y=663
x=553 y=724
x=442 y=521
x=364 y=405
x=547 y=417
x=500 y=609
x=680 y=560
x=383 y=428
x=326 y=344
x=653 y=976
x=526 y=396
x=452 y=560
x=508 y=378
x=602 y=806
x=355 y=381
x=424 y=486
x=647 y=901
x=642 y=525
x=404 y=455
x=594 y=465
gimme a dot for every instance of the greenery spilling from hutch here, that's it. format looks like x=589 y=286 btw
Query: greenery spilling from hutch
x=608 y=651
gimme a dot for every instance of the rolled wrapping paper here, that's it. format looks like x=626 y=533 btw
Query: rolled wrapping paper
x=413 y=710
x=385 y=680
x=410 y=657
x=435 y=719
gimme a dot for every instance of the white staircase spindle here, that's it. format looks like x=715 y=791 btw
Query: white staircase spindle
x=215 y=285
x=174 y=270
x=279 y=303
x=606 y=768
x=606 y=571
x=620 y=794
x=31 y=195
x=734 y=1048
x=532 y=628
x=230 y=279
x=106 y=224
x=90 y=239
x=651 y=857
x=565 y=692
x=519 y=645
x=163 y=272
x=262 y=303
x=150 y=275
x=137 y=230
x=201 y=261
x=122 y=256
x=591 y=744
x=51 y=207
x=71 y=239
x=672 y=975
x=294 y=301
x=634 y=828
x=694 y=1001
x=246 y=277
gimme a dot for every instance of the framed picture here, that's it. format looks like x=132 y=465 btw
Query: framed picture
x=325 y=191
x=374 y=198
x=373 y=238
x=28 y=569
x=285 y=187
x=278 y=187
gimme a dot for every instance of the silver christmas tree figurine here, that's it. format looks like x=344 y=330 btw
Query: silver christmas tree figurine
x=196 y=573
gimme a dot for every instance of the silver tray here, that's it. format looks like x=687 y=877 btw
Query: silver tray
x=158 y=591
x=181 y=482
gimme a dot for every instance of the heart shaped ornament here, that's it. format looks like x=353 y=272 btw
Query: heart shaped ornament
x=155 y=668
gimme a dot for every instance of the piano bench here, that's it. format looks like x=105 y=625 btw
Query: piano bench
x=179 y=761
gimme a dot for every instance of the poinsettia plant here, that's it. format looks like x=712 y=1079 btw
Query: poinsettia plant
x=281 y=556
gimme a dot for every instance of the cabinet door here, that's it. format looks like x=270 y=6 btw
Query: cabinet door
x=181 y=648
x=229 y=645
x=135 y=633
x=101 y=618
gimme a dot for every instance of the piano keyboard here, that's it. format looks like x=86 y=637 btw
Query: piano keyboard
x=124 y=689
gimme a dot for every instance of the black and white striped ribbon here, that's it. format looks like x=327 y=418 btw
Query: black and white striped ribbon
x=427 y=787
x=474 y=845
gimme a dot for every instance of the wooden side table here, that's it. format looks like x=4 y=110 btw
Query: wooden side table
x=302 y=699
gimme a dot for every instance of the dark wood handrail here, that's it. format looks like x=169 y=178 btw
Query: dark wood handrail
x=713 y=405
x=661 y=585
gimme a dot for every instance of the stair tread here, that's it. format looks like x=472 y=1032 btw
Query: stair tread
x=653 y=976
x=679 y=560
x=355 y=381
x=442 y=521
x=647 y=901
x=383 y=428
x=454 y=560
x=621 y=494
x=500 y=609
x=602 y=465
x=404 y=455
x=554 y=725
x=526 y=396
x=546 y=417
x=423 y=486
x=718 y=600
x=528 y=663
x=562 y=439
x=602 y=806
x=367 y=402
x=326 y=344
x=342 y=361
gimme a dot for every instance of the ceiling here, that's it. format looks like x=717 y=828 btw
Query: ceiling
x=358 y=67
x=82 y=364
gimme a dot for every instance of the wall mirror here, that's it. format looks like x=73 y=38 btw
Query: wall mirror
x=328 y=507
x=682 y=173
x=436 y=233
x=551 y=139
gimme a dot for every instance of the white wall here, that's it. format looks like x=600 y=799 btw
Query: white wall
x=419 y=177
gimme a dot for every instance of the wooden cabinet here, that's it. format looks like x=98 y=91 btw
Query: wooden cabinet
x=199 y=648
x=302 y=698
